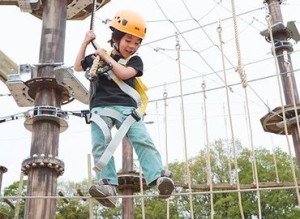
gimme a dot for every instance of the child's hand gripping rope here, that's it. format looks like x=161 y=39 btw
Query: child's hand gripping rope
x=99 y=67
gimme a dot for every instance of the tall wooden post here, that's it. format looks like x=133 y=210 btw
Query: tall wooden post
x=42 y=181
x=283 y=49
x=2 y=171
x=47 y=90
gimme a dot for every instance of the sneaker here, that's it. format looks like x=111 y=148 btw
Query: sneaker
x=103 y=194
x=165 y=185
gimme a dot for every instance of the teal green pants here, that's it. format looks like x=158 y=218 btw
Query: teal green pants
x=148 y=156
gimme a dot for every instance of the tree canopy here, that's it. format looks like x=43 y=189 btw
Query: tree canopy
x=276 y=198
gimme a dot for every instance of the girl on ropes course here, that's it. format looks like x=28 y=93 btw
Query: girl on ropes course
x=112 y=82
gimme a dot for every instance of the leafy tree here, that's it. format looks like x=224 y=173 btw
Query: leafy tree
x=274 y=203
x=72 y=208
x=13 y=190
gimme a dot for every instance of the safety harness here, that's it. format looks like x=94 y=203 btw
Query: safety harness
x=138 y=93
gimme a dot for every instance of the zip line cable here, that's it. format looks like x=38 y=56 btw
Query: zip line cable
x=189 y=45
x=193 y=29
x=240 y=71
x=80 y=113
x=218 y=71
x=205 y=32
x=286 y=186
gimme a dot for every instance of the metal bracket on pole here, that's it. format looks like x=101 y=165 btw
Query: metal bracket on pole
x=49 y=113
x=28 y=5
x=43 y=160
x=65 y=77
x=277 y=27
x=19 y=91
x=24 y=92
x=293 y=30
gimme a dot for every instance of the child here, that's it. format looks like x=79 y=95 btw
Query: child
x=128 y=31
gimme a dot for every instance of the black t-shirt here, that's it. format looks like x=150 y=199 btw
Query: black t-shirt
x=105 y=92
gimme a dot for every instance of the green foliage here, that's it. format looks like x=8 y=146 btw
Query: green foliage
x=274 y=203
x=154 y=207
x=13 y=190
x=74 y=209
x=223 y=202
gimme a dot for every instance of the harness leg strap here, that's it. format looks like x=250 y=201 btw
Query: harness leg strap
x=103 y=126
x=111 y=148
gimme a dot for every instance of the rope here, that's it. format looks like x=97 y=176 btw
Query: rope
x=188 y=174
x=189 y=45
x=93 y=22
x=142 y=192
x=94 y=67
x=208 y=163
x=219 y=29
x=228 y=146
x=253 y=160
x=155 y=195
x=165 y=95
x=89 y=163
x=240 y=68
x=96 y=62
x=275 y=160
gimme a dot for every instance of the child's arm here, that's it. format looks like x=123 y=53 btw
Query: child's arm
x=89 y=36
x=121 y=71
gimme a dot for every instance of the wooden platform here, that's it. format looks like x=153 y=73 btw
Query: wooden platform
x=274 y=121
x=76 y=9
x=131 y=180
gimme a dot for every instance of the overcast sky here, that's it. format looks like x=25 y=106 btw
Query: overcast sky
x=196 y=29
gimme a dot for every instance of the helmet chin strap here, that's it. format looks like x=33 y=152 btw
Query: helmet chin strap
x=116 y=47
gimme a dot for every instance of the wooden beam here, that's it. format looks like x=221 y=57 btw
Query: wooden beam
x=227 y=186
x=7 y=67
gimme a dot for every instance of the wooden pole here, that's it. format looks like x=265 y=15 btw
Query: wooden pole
x=283 y=50
x=42 y=180
x=127 y=166
x=20 y=188
x=2 y=171
x=89 y=161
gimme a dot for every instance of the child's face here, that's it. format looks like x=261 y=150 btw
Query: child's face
x=128 y=45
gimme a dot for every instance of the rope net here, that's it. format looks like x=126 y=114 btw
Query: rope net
x=206 y=119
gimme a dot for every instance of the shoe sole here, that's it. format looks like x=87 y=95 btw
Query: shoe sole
x=101 y=197
x=165 y=188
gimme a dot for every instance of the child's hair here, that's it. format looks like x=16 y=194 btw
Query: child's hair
x=116 y=36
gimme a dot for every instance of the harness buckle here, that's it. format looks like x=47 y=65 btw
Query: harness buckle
x=87 y=116
x=136 y=115
x=103 y=69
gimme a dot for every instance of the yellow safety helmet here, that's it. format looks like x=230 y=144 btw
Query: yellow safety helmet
x=129 y=22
